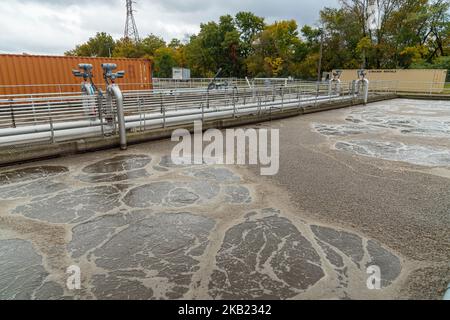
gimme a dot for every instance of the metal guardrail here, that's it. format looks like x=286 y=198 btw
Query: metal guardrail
x=165 y=83
x=417 y=87
x=37 y=109
x=55 y=89
x=145 y=109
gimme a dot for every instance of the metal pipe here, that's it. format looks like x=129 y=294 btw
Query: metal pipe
x=149 y=116
x=70 y=121
x=152 y=121
x=115 y=91
x=366 y=91
x=365 y=85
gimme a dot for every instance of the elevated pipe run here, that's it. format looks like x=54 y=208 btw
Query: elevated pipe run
x=84 y=129
x=109 y=119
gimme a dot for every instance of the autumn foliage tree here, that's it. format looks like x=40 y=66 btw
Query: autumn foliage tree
x=411 y=34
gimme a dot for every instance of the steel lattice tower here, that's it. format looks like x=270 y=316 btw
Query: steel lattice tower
x=373 y=15
x=131 y=31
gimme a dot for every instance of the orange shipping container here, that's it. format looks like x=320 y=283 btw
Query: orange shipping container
x=27 y=74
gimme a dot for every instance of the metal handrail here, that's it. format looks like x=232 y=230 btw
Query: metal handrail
x=145 y=109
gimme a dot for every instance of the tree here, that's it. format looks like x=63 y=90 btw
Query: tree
x=408 y=30
x=341 y=35
x=410 y=34
x=439 y=27
x=164 y=61
x=442 y=62
x=175 y=44
x=217 y=45
x=275 y=65
x=249 y=26
x=102 y=45
x=411 y=55
x=151 y=43
x=126 y=48
x=199 y=57
x=276 y=49
x=146 y=48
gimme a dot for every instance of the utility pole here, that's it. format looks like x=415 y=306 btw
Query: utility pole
x=366 y=27
x=319 y=71
x=131 y=31
x=372 y=19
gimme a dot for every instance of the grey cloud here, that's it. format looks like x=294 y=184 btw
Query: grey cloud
x=52 y=27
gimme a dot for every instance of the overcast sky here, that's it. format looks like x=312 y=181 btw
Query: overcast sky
x=55 y=26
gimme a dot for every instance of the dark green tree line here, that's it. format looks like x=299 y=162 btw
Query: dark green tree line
x=411 y=34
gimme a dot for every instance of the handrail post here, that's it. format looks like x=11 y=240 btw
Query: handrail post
x=13 y=118
x=203 y=113
x=164 y=116
x=140 y=113
x=34 y=109
x=234 y=105
x=100 y=112
x=52 y=130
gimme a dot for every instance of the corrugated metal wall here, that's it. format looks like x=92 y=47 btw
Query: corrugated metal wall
x=27 y=74
x=409 y=80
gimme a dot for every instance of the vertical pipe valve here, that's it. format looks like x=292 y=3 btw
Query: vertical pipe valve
x=114 y=91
